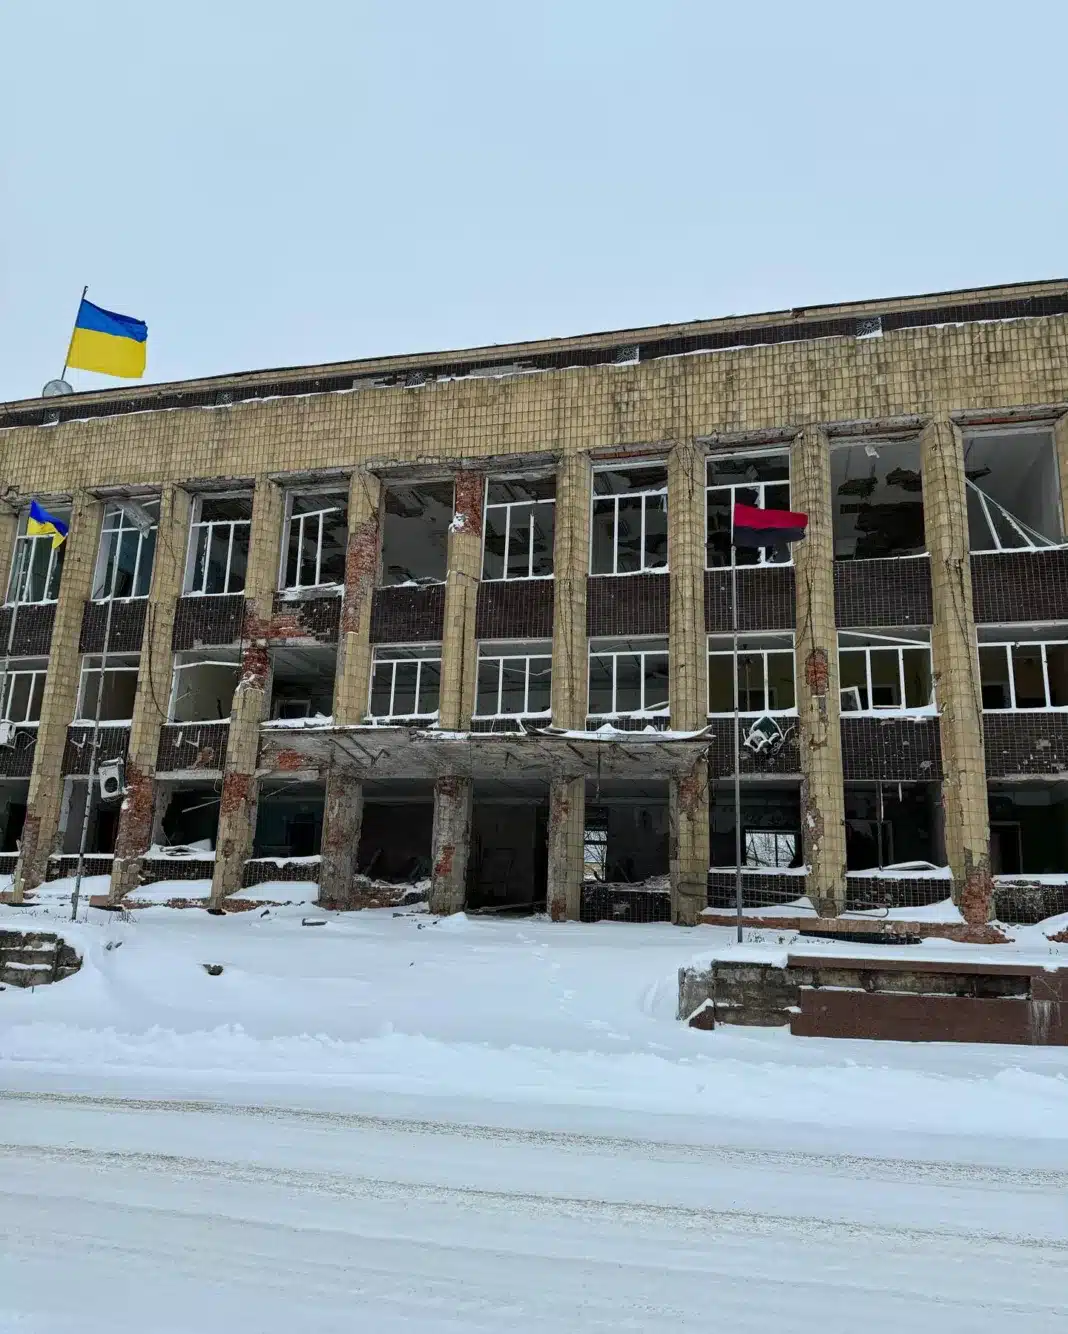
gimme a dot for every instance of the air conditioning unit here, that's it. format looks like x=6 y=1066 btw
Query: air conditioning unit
x=7 y=733
x=112 y=778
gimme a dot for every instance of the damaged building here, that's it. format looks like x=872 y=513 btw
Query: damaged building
x=462 y=623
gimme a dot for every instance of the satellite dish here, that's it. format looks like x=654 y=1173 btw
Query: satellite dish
x=54 y=388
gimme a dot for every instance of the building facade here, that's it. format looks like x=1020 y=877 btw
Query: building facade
x=467 y=617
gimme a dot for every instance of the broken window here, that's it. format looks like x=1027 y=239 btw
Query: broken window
x=289 y=819
x=127 y=549
x=762 y=480
x=316 y=538
x=116 y=698
x=514 y=679
x=765 y=674
x=771 y=826
x=22 y=690
x=36 y=565
x=103 y=820
x=893 y=825
x=204 y=685
x=302 y=683
x=594 y=848
x=885 y=671
x=629 y=528
x=14 y=798
x=218 y=545
x=1023 y=668
x=406 y=682
x=415 y=533
x=1028 y=828
x=629 y=820
x=629 y=677
x=189 y=816
x=877 y=494
x=519 y=528
x=1013 y=490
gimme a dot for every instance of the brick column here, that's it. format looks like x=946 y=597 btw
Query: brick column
x=567 y=795
x=343 y=809
x=688 y=665
x=39 y=834
x=451 y=844
x=1060 y=438
x=458 y=647
x=816 y=674
x=134 y=835
x=9 y=526
x=237 y=809
x=956 y=671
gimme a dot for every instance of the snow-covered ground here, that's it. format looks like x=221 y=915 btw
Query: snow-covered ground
x=396 y=1122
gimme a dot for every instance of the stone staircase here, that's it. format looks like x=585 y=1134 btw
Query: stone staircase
x=34 y=958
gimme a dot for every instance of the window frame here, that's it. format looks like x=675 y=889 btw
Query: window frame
x=8 y=679
x=196 y=526
x=112 y=662
x=759 y=487
x=643 y=495
x=644 y=711
x=887 y=642
x=508 y=506
x=526 y=659
x=985 y=500
x=287 y=531
x=113 y=509
x=381 y=658
x=1008 y=645
x=763 y=652
x=25 y=541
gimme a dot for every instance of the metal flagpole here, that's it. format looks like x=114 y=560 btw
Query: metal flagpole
x=70 y=343
x=737 y=737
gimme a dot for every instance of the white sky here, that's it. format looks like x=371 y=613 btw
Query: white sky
x=271 y=184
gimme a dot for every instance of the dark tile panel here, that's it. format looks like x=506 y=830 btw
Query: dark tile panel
x=627 y=604
x=1025 y=743
x=16 y=760
x=515 y=609
x=113 y=744
x=785 y=760
x=207 y=620
x=33 y=629
x=157 y=869
x=184 y=746
x=883 y=592
x=758 y=891
x=258 y=872
x=58 y=867
x=1013 y=586
x=408 y=615
x=127 y=626
x=765 y=598
x=660 y=723
x=890 y=748
x=306 y=618
x=908 y=892
x=623 y=903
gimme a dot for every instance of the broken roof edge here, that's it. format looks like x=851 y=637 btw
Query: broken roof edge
x=131 y=397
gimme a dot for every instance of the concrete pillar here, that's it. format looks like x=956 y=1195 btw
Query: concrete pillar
x=458 y=647
x=688 y=689
x=956 y=671
x=342 y=819
x=9 y=526
x=134 y=835
x=1060 y=440
x=237 y=808
x=352 y=684
x=566 y=842
x=39 y=834
x=816 y=675
x=451 y=844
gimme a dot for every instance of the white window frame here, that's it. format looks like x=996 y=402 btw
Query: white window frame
x=526 y=658
x=508 y=506
x=759 y=488
x=1008 y=645
x=199 y=525
x=22 y=562
x=752 y=833
x=644 y=496
x=183 y=662
x=383 y=658
x=317 y=515
x=125 y=524
x=885 y=641
x=660 y=711
x=115 y=662
x=747 y=648
x=8 y=681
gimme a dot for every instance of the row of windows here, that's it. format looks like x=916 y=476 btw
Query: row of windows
x=1012 y=489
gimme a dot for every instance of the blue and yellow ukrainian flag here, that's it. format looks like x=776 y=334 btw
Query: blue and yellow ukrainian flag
x=109 y=343
x=40 y=523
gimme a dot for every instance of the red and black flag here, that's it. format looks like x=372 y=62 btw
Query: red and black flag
x=754 y=527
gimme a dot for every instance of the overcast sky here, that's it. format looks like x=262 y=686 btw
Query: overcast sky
x=277 y=183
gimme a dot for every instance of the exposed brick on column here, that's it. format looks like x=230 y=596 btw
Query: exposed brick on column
x=134 y=834
x=451 y=844
x=688 y=653
x=688 y=843
x=9 y=526
x=458 y=647
x=237 y=807
x=570 y=565
x=352 y=683
x=39 y=833
x=956 y=670
x=566 y=833
x=816 y=674
x=1060 y=437
x=342 y=819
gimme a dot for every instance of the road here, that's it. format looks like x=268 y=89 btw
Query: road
x=165 y=1216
